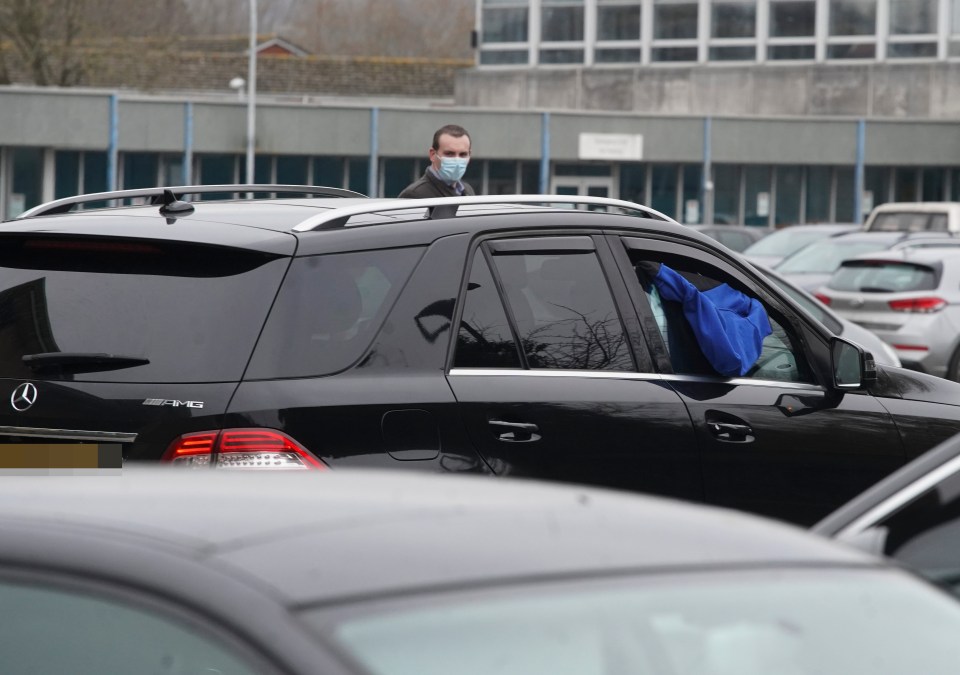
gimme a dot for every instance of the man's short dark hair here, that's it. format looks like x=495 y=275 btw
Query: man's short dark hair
x=450 y=130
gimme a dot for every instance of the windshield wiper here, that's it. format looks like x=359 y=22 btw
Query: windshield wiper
x=877 y=289
x=79 y=362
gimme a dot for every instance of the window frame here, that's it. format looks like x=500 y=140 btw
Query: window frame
x=539 y=242
x=791 y=320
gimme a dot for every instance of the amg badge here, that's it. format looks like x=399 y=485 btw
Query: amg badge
x=173 y=403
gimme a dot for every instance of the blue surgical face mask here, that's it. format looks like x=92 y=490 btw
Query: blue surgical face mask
x=452 y=168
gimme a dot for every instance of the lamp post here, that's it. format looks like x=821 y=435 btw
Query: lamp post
x=252 y=92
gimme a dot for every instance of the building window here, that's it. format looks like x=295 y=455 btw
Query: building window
x=674 y=30
x=328 y=172
x=692 y=207
x=633 y=181
x=789 y=192
x=618 y=20
x=934 y=184
x=726 y=194
x=913 y=29
x=505 y=32
x=618 y=31
x=561 y=21
x=501 y=178
x=292 y=170
x=733 y=19
x=26 y=178
x=819 y=184
x=218 y=170
x=853 y=29
x=663 y=189
x=792 y=28
x=757 y=197
x=954 y=49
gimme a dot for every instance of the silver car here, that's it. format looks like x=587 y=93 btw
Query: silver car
x=910 y=299
x=882 y=353
x=776 y=246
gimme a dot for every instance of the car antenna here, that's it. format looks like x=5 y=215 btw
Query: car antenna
x=173 y=206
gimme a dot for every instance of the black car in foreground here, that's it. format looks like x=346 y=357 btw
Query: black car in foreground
x=383 y=573
x=501 y=335
x=912 y=516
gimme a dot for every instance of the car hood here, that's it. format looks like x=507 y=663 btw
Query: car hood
x=914 y=386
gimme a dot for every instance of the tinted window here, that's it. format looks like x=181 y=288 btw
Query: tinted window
x=872 y=277
x=328 y=310
x=155 y=301
x=46 y=630
x=564 y=311
x=925 y=533
x=484 y=339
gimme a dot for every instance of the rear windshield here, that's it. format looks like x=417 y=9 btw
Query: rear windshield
x=328 y=311
x=883 y=277
x=823 y=257
x=160 y=312
x=906 y=221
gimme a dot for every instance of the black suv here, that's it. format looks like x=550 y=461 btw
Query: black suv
x=491 y=334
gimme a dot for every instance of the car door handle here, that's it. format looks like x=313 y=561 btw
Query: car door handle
x=515 y=432
x=734 y=433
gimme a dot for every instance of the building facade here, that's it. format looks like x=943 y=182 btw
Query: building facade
x=764 y=112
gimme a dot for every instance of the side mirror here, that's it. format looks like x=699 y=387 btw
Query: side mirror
x=853 y=367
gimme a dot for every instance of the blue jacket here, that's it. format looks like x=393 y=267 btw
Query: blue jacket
x=729 y=326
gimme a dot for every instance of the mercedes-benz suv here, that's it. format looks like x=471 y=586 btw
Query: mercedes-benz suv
x=504 y=335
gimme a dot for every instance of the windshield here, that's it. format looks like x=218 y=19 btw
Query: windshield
x=876 y=277
x=785 y=241
x=130 y=311
x=824 y=257
x=787 y=622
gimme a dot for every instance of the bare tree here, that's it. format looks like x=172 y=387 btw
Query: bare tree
x=48 y=42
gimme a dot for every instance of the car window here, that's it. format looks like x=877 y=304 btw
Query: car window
x=160 y=302
x=328 y=310
x=53 y=630
x=564 y=311
x=785 y=241
x=780 y=357
x=925 y=534
x=824 y=257
x=484 y=339
x=907 y=221
x=786 y=621
x=883 y=277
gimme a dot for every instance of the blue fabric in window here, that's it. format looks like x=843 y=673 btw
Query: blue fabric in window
x=729 y=326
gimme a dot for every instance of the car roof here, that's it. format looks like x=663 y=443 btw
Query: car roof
x=316 y=537
x=266 y=224
x=916 y=255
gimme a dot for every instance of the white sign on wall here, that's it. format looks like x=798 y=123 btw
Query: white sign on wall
x=619 y=147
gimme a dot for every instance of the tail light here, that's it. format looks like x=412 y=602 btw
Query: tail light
x=241 y=449
x=918 y=305
x=825 y=299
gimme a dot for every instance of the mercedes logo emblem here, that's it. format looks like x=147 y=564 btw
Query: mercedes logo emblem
x=23 y=396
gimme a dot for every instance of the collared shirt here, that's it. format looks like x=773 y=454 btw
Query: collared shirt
x=456 y=185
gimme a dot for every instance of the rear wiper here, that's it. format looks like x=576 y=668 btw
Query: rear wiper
x=79 y=362
x=877 y=289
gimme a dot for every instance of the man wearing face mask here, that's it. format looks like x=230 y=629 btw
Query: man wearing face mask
x=449 y=157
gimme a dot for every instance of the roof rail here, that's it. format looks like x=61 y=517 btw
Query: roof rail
x=446 y=207
x=156 y=195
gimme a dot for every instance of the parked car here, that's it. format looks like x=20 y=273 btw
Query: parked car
x=910 y=299
x=370 y=573
x=882 y=353
x=914 y=217
x=486 y=335
x=912 y=516
x=777 y=245
x=735 y=237
x=811 y=266
x=931 y=241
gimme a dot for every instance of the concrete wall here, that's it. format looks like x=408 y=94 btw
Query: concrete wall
x=80 y=119
x=921 y=90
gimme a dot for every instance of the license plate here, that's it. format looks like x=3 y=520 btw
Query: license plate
x=60 y=456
